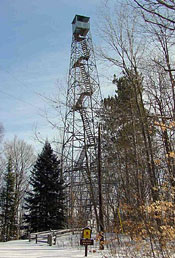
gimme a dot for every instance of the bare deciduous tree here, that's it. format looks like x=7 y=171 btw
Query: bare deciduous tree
x=22 y=158
x=158 y=12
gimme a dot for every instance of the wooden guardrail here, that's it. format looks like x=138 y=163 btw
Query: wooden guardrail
x=50 y=237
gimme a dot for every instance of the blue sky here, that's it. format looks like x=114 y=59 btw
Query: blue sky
x=34 y=53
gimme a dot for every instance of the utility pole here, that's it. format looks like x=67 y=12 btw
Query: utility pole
x=101 y=222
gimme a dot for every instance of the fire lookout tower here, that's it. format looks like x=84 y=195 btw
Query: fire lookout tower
x=79 y=153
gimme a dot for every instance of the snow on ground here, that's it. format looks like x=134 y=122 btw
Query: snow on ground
x=26 y=249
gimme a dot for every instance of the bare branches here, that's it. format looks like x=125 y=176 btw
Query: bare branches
x=119 y=32
x=22 y=158
x=158 y=12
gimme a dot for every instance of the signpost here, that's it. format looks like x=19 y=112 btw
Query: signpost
x=86 y=239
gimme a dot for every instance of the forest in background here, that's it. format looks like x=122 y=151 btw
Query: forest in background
x=138 y=122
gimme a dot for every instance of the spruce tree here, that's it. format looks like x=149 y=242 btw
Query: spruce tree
x=45 y=202
x=7 y=205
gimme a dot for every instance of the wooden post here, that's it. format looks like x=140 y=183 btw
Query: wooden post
x=50 y=240
x=86 y=250
x=29 y=237
x=36 y=238
x=49 y=237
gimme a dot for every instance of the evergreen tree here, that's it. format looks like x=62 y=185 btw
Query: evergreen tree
x=45 y=203
x=125 y=146
x=8 y=205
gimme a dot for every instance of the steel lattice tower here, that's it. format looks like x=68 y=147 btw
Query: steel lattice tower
x=79 y=153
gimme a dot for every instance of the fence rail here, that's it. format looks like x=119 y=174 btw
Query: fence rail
x=50 y=237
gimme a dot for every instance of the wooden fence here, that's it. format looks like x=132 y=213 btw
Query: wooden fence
x=50 y=237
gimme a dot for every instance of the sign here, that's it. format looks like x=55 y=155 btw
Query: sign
x=86 y=241
x=86 y=233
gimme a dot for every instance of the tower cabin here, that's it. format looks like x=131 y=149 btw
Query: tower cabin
x=80 y=26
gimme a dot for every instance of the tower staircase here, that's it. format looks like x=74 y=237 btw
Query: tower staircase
x=79 y=162
x=87 y=127
x=85 y=49
x=88 y=91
